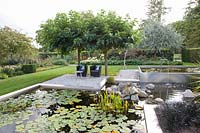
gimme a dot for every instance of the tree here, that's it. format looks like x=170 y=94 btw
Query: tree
x=66 y=32
x=108 y=31
x=157 y=37
x=14 y=46
x=189 y=27
x=156 y=9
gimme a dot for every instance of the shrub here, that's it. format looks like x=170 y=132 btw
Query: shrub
x=179 y=116
x=19 y=72
x=110 y=81
x=44 y=62
x=191 y=55
x=29 y=68
x=112 y=103
x=11 y=70
x=60 y=62
x=131 y=62
x=3 y=76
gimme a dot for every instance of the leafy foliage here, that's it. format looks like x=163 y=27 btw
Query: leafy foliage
x=67 y=32
x=112 y=103
x=111 y=31
x=156 y=9
x=157 y=37
x=29 y=68
x=60 y=111
x=190 y=25
x=179 y=116
x=15 y=47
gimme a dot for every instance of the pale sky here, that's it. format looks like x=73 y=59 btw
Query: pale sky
x=27 y=15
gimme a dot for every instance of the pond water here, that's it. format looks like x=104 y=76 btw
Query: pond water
x=169 y=92
x=63 y=111
x=176 y=69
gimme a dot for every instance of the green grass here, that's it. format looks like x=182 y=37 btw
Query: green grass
x=39 y=69
x=18 y=82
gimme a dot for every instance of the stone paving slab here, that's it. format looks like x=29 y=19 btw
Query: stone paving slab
x=74 y=82
x=128 y=76
x=152 y=124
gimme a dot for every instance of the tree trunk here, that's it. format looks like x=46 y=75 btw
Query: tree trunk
x=106 y=62
x=79 y=55
x=62 y=55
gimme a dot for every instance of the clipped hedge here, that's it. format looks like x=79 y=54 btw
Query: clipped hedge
x=132 y=62
x=191 y=55
x=60 y=62
x=29 y=68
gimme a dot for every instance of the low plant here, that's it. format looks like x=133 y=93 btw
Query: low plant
x=59 y=62
x=112 y=103
x=110 y=81
x=177 y=117
x=29 y=68
x=3 y=76
x=12 y=70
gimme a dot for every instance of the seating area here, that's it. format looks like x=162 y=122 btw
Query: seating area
x=81 y=70
x=95 y=70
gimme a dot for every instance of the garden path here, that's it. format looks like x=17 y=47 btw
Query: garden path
x=128 y=76
x=74 y=82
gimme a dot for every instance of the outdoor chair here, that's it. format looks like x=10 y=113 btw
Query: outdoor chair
x=95 y=71
x=81 y=70
x=177 y=57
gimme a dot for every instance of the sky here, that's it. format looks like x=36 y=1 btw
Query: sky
x=27 y=15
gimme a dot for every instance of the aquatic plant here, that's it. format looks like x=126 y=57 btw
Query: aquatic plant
x=112 y=103
x=68 y=115
x=110 y=81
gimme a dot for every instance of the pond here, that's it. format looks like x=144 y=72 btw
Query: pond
x=49 y=110
x=167 y=74
x=169 y=92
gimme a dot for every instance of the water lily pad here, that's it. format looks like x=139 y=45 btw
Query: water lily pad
x=82 y=129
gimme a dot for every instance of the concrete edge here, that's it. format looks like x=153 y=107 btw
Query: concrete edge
x=151 y=120
x=19 y=92
x=43 y=85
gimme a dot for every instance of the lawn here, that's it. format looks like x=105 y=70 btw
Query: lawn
x=18 y=82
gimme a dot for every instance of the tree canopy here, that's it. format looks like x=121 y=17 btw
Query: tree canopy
x=109 y=31
x=156 y=9
x=84 y=30
x=189 y=27
x=157 y=37
x=15 y=46
x=66 y=32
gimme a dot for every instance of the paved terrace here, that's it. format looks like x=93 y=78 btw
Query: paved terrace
x=71 y=81
x=128 y=75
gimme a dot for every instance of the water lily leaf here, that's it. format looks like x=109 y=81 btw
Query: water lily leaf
x=131 y=122
x=125 y=130
x=82 y=129
x=131 y=111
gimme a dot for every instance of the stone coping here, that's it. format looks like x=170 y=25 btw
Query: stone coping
x=53 y=86
x=19 y=92
x=152 y=124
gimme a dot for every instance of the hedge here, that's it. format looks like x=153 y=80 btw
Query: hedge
x=132 y=62
x=29 y=68
x=191 y=55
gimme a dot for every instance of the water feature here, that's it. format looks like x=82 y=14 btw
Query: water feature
x=167 y=74
x=50 y=110
x=172 y=92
